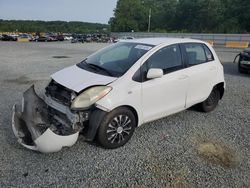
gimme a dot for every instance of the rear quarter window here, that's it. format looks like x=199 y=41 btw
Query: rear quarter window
x=208 y=53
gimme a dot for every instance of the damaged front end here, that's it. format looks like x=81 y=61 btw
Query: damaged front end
x=35 y=127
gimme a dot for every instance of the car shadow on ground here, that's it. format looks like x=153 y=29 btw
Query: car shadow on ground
x=232 y=69
x=195 y=108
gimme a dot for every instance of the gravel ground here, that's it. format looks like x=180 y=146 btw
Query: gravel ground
x=188 y=149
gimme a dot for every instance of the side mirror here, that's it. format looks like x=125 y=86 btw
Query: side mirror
x=154 y=73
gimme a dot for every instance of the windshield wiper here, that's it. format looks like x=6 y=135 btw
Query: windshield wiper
x=100 y=68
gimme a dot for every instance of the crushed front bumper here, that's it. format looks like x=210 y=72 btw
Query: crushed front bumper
x=33 y=129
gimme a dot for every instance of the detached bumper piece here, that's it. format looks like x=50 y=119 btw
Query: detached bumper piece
x=33 y=129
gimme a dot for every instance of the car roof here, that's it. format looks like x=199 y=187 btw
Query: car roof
x=158 y=41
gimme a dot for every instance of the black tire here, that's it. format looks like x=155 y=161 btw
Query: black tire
x=116 y=128
x=211 y=102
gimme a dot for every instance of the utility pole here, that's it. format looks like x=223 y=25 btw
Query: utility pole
x=149 y=19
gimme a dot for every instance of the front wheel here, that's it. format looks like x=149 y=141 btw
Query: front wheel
x=116 y=128
x=211 y=102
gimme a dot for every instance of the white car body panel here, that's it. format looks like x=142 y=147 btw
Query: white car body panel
x=203 y=78
x=199 y=90
x=78 y=79
x=164 y=96
x=51 y=142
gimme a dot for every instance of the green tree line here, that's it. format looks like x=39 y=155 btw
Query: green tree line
x=202 y=16
x=50 y=26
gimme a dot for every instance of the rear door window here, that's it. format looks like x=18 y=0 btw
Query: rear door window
x=195 y=54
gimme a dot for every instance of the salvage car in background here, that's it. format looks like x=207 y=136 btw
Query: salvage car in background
x=8 y=38
x=244 y=61
x=59 y=37
x=46 y=38
x=78 y=38
x=25 y=36
x=110 y=93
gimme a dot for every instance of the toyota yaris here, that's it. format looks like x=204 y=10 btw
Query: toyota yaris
x=115 y=90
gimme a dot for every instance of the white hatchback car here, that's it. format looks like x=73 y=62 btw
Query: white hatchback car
x=115 y=90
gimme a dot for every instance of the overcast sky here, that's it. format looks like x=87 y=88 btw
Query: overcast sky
x=97 y=11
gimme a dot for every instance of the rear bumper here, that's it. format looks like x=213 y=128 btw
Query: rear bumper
x=33 y=129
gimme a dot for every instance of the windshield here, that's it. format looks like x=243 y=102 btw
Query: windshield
x=116 y=59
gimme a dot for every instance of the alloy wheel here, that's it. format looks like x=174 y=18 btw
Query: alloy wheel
x=119 y=129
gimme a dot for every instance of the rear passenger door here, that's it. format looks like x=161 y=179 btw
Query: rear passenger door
x=201 y=69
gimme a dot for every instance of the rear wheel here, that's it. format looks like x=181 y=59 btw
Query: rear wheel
x=211 y=102
x=116 y=128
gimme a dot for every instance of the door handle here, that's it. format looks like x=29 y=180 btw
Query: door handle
x=183 y=77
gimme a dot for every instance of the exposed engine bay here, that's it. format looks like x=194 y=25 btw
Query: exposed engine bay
x=47 y=125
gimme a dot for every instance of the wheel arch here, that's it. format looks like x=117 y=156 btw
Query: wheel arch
x=221 y=87
x=96 y=119
x=133 y=110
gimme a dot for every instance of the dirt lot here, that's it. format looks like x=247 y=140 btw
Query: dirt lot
x=188 y=149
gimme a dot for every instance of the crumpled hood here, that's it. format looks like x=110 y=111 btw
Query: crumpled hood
x=78 y=79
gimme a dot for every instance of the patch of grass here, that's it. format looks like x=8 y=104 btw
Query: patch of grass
x=217 y=153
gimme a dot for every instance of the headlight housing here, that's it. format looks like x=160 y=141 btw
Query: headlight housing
x=89 y=97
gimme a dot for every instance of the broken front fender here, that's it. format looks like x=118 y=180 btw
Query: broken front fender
x=33 y=129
